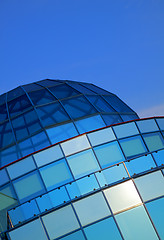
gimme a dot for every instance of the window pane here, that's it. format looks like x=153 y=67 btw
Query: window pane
x=74 y=236
x=63 y=91
x=111 y=119
x=147 y=125
x=41 y=96
x=159 y=157
x=160 y=122
x=100 y=103
x=19 y=168
x=49 y=155
x=83 y=163
x=75 y=145
x=33 y=230
x=104 y=230
x=26 y=147
x=9 y=155
x=109 y=154
x=64 y=219
x=92 y=208
x=3 y=177
x=55 y=174
x=135 y=224
x=28 y=186
x=101 y=136
x=150 y=185
x=133 y=146
x=40 y=141
x=122 y=196
x=125 y=130
x=6 y=134
x=89 y=124
x=154 y=141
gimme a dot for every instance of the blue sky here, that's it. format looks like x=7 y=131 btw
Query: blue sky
x=115 y=44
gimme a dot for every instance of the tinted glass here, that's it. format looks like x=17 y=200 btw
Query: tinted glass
x=100 y=103
x=63 y=91
x=159 y=157
x=147 y=125
x=154 y=141
x=160 y=122
x=3 y=177
x=74 y=236
x=125 y=130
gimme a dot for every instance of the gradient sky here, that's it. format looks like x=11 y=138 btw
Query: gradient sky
x=115 y=44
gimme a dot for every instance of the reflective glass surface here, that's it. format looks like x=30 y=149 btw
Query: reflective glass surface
x=159 y=157
x=124 y=130
x=154 y=141
x=74 y=236
x=147 y=125
x=3 y=177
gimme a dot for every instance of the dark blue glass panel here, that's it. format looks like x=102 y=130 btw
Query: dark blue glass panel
x=40 y=141
x=78 y=107
x=3 y=177
x=9 y=155
x=41 y=97
x=159 y=157
x=63 y=91
x=95 y=88
x=156 y=210
x=15 y=93
x=32 y=87
x=52 y=114
x=100 y=103
x=111 y=119
x=80 y=88
x=48 y=82
x=103 y=230
x=3 y=113
x=117 y=104
x=128 y=117
x=6 y=135
x=26 y=147
x=74 y=236
x=2 y=98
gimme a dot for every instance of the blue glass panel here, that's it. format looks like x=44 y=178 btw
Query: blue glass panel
x=141 y=164
x=111 y=175
x=62 y=132
x=55 y=174
x=133 y=146
x=128 y=117
x=63 y=91
x=17 y=92
x=80 y=88
x=3 y=113
x=154 y=141
x=159 y=157
x=89 y=124
x=52 y=114
x=125 y=130
x=104 y=230
x=160 y=122
x=109 y=154
x=135 y=224
x=6 y=135
x=44 y=203
x=41 y=97
x=48 y=82
x=3 y=98
x=147 y=125
x=101 y=136
x=111 y=119
x=26 y=147
x=156 y=210
x=3 y=177
x=9 y=155
x=40 y=141
x=95 y=88
x=32 y=87
x=74 y=236
x=100 y=103
x=58 y=196
x=78 y=107
x=83 y=163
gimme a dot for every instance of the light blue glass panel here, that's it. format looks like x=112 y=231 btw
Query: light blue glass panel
x=141 y=164
x=101 y=136
x=82 y=186
x=55 y=174
x=83 y=163
x=104 y=230
x=122 y=196
x=75 y=145
x=74 y=236
x=156 y=210
x=44 y=203
x=125 y=130
x=147 y=125
x=154 y=141
x=109 y=154
x=135 y=224
x=151 y=185
x=33 y=230
x=64 y=219
x=47 y=156
x=159 y=157
x=28 y=186
x=89 y=124
x=133 y=146
x=111 y=175
x=92 y=208
x=61 y=132
x=3 y=177
x=160 y=122
x=21 y=167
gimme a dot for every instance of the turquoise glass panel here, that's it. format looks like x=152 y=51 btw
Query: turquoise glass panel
x=89 y=124
x=133 y=146
x=159 y=157
x=83 y=163
x=109 y=154
x=33 y=230
x=154 y=141
x=3 y=177
x=55 y=174
x=47 y=156
x=125 y=130
x=160 y=122
x=147 y=126
x=151 y=185
x=103 y=230
x=92 y=208
x=101 y=136
x=111 y=175
x=156 y=210
x=135 y=224
x=74 y=236
x=64 y=219
x=141 y=164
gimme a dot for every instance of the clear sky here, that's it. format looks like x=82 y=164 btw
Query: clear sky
x=115 y=44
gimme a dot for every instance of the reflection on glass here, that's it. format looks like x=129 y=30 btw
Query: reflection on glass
x=154 y=141
x=126 y=129
x=159 y=157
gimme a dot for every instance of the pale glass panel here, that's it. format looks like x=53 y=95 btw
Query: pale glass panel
x=154 y=141
x=122 y=196
x=147 y=125
x=101 y=136
x=75 y=145
x=125 y=130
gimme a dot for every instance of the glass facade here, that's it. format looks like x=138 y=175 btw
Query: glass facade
x=67 y=173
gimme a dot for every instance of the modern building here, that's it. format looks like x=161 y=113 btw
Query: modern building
x=76 y=163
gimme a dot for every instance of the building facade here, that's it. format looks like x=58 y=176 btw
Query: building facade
x=76 y=163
